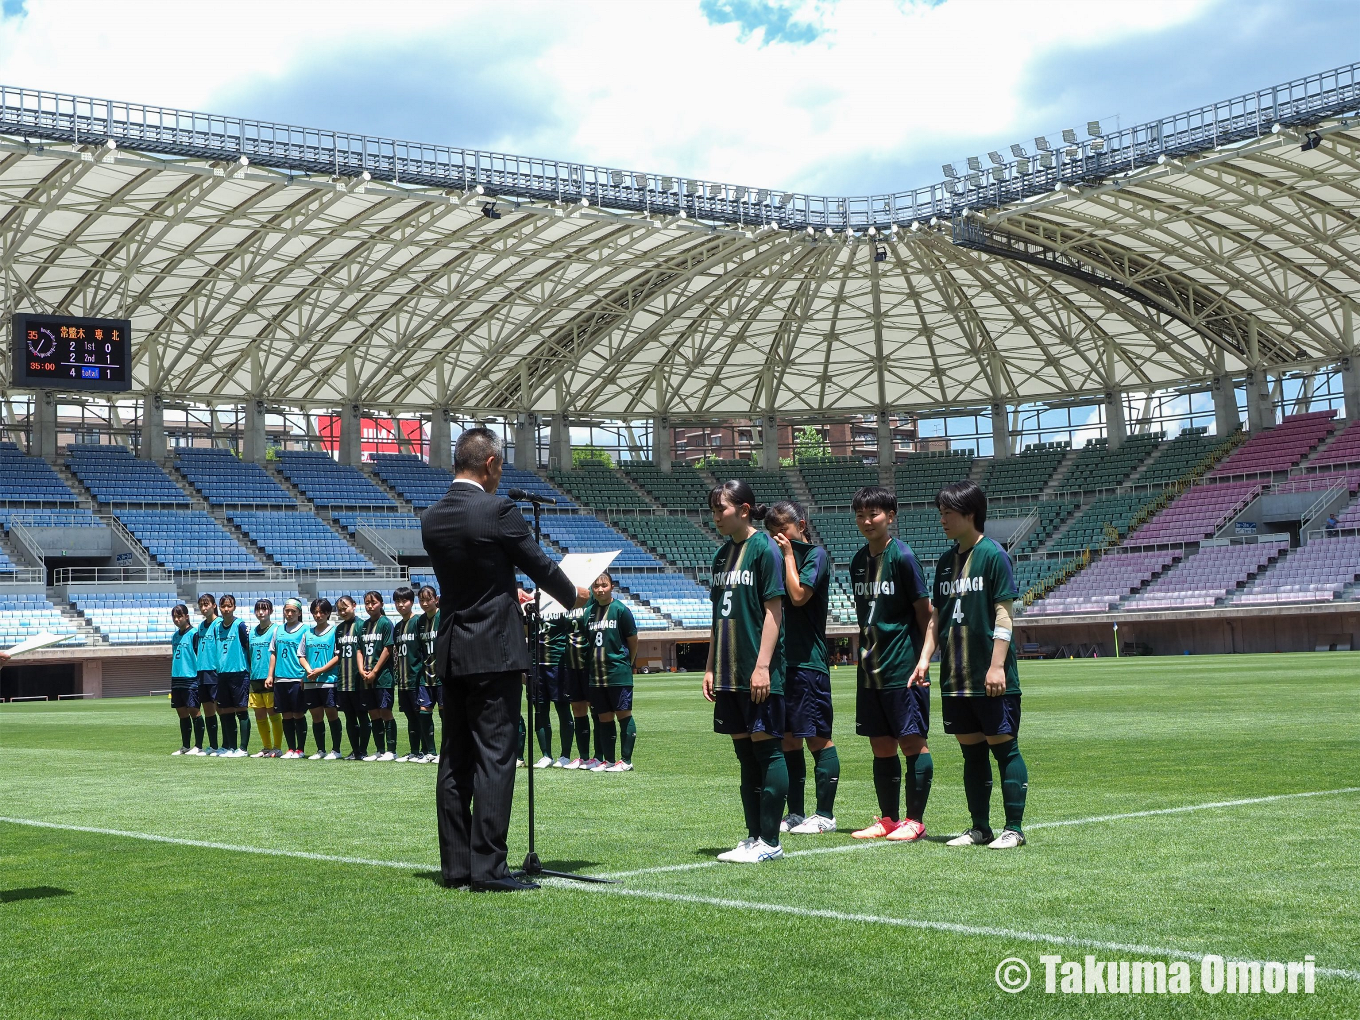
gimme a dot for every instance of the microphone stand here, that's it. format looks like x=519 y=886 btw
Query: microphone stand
x=533 y=867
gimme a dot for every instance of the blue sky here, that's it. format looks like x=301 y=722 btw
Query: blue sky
x=843 y=98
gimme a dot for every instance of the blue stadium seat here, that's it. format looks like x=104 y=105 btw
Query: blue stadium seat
x=584 y=533
x=326 y=482
x=226 y=480
x=299 y=539
x=25 y=613
x=114 y=475
x=187 y=540
x=129 y=617
x=29 y=479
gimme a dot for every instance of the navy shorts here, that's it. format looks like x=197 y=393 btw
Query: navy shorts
x=184 y=697
x=352 y=702
x=433 y=694
x=611 y=699
x=378 y=698
x=574 y=684
x=233 y=690
x=319 y=697
x=988 y=716
x=288 y=696
x=807 y=701
x=894 y=712
x=207 y=686
x=553 y=684
x=735 y=712
x=415 y=700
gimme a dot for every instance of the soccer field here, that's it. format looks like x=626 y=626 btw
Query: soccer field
x=1177 y=807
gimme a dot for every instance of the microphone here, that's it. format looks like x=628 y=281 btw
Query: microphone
x=520 y=496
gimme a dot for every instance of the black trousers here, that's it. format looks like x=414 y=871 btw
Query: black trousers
x=477 y=774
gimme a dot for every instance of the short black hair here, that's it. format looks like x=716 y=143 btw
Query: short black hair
x=179 y=610
x=403 y=594
x=322 y=604
x=205 y=597
x=264 y=604
x=376 y=594
x=786 y=511
x=874 y=497
x=348 y=599
x=474 y=447
x=604 y=573
x=965 y=497
x=428 y=588
x=225 y=598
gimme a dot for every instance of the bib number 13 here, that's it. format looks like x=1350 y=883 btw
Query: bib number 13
x=727 y=603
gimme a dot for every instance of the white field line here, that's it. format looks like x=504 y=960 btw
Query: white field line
x=1092 y=820
x=207 y=845
x=903 y=922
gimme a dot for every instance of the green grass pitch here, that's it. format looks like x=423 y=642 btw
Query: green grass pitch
x=106 y=926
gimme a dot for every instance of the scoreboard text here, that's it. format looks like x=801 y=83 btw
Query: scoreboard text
x=63 y=352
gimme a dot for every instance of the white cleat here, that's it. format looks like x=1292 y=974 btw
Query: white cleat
x=589 y=765
x=543 y=763
x=620 y=766
x=760 y=852
x=387 y=756
x=1008 y=840
x=433 y=758
x=814 y=825
x=601 y=766
x=789 y=822
x=735 y=855
x=973 y=837
x=369 y=757
x=574 y=764
x=196 y=752
x=561 y=762
x=331 y=756
x=182 y=750
x=315 y=757
x=261 y=754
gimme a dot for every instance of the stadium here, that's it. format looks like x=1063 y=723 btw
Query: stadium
x=1140 y=342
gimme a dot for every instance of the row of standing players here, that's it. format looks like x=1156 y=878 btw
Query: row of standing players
x=768 y=678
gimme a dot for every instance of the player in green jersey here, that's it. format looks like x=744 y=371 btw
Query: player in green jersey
x=613 y=651
x=892 y=703
x=576 y=689
x=318 y=689
x=979 y=683
x=375 y=667
x=744 y=675
x=261 y=699
x=807 y=678
x=554 y=687
x=351 y=695
x=184 y=683
x=432 y=688
x=407 y=657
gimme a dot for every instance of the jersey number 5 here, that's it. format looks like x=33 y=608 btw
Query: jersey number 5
x=727 y=603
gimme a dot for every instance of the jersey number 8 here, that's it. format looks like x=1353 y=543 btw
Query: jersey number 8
x=599 y=639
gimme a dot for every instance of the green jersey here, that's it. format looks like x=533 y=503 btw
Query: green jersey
x=428 y=629
x=374 y=636
x=805 y=625
x=968 y=586
x=346 y=646
x=746 y=575
x=887 y=588
x=610 y=627
x=557 y=629
x=407 y=655
x=578 y=639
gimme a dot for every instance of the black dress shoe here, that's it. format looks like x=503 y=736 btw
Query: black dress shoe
x=461 y=884
x=506 y=884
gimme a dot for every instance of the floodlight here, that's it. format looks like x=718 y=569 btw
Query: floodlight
x=479 y=190
x=949 y=170
x=1275 y=129
x=1070 y=136
x=915 y=226
x=1097 y=145
x=787 y=199
x=872 y=231
x=1093 y=129
x=974 y=163
x=1041 y=143
x=714 y=190
x=934 y=221
x=691 y=187
x=996 y=159
x=738 y=194
x=998 y=173
x=880 y=253
x=1046 y=159
x=830 y=232
x=762 y=195
x=668 y=184
x=1022 y=164
x=1072 y=153
x=640 y=181
x=617 y=177
x=811 y=232
x=974 y=180
x=1018 y=150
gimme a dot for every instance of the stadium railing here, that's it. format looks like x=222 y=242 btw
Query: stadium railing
x=63 y=576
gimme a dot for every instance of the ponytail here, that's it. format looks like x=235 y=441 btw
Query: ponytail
x=786 y=511
x=735 y=492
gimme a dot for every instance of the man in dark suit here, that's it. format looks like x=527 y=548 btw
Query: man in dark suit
x=476 y=539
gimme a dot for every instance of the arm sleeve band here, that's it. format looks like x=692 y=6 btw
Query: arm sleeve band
x=1002 y=627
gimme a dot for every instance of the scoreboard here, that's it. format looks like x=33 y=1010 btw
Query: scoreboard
x=68 y=353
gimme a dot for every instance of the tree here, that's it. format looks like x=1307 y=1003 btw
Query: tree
x=589 y=455
x=810 y=446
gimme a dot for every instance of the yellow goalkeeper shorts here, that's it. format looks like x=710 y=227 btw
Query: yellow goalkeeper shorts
x=262 y=699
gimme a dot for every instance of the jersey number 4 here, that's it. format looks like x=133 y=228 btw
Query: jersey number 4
x=958 y=611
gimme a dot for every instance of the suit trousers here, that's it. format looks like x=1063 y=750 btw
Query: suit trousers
x=477 y=774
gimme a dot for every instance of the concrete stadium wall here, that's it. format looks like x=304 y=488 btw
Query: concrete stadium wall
x=1221 y=635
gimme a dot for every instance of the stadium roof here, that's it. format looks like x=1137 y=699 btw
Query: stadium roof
x=310 y=267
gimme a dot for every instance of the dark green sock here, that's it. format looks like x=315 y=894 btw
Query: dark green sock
x=629 y=740
x=826 y=777
x=335 y=734
x=186 y=731
x=211 y=723
x=319 y=733
x=243 y=721
x=290 y=733
x=198 y=732
x=543 y=730
x=606 y=736
x=564 y=723
x=796 y=762
x=750 y=785
x=919 y=775
x=415 y=732
x=888 y=786
x=427 y=732
x=392 y=735
x=379 y=727
x=977 y=784
x=774 y=787
x=1014 y=781
x=365 y=728
x=229 y=730
x=582 y=727
x=301 y=730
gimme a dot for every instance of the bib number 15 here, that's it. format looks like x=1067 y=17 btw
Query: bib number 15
x=727 y=603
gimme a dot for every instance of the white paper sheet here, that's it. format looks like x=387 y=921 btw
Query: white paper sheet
x=582 y=568
x=40 y=640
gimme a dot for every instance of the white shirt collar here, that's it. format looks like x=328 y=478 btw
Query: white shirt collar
x=468 y=481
